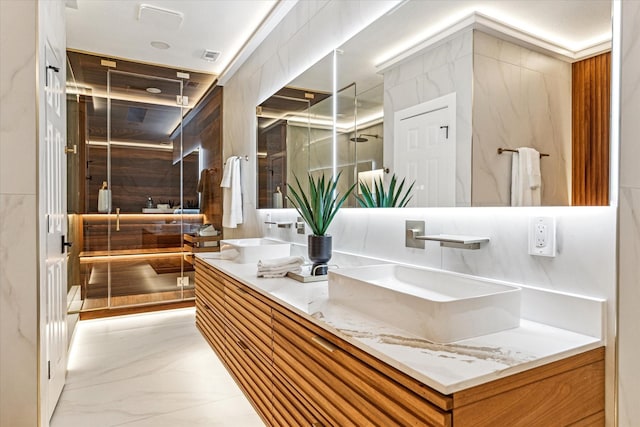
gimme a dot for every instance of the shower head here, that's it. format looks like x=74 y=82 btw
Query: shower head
x=360 y=138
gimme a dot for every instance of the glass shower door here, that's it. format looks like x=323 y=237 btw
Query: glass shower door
x=146 y=187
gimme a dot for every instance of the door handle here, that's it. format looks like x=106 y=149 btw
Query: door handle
x=64 y=245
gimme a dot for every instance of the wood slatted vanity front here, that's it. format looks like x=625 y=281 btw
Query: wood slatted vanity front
x=295 y=373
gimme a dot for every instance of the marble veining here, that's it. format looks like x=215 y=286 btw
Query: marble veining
x=521 y=98
x=445 y=367
x=148 y=370
x=496 y=354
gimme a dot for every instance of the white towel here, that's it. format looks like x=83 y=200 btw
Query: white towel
x=279 y=267
x=279 y=273
x=525 y=178
x=232 y=193
x=279 y=262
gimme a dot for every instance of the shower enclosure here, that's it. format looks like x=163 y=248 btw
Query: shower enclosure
x=130 y=248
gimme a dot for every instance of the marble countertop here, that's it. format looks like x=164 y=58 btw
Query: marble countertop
x=447 y=368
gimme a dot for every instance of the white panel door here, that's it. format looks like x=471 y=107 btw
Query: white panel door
x=425 y=152
x=53 y=301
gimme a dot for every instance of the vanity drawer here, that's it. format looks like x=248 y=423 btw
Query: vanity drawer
x=343 y=388
x=251 y=373
x=290 y=408
x=249 y=318
x=212 y=327
x=209 y=287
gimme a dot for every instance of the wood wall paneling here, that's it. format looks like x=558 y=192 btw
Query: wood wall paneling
x=591 y=93
x=203 y=128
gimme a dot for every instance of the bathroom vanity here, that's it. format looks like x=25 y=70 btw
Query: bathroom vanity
x=305 y=360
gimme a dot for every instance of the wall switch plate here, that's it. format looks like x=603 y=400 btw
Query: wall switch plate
x=183 y=281
x=542 y=236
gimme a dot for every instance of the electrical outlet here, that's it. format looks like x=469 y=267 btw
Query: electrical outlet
x=542 y=236
x=183 y=281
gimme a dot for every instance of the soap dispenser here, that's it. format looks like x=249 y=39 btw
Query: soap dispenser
x=104 y=198
x=149 y=202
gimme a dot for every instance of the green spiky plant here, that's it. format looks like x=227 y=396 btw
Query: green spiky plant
x=319 y=204
x=380 y=197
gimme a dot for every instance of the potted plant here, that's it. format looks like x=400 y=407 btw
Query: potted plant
x=318 y=206
x=380 y=197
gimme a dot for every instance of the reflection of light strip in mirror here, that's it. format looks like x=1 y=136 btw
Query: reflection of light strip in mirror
x=362 y=122
x=341 y=127
x=334 y=101
x=131 y=144
x=616 y=54
x=309 y=120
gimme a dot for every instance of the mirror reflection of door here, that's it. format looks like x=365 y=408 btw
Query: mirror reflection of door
x=425 y=151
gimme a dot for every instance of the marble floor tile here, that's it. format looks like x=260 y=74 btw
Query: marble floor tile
x=150 y=369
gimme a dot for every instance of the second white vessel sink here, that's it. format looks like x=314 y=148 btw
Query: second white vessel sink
x=255 y=249
x=441 y=306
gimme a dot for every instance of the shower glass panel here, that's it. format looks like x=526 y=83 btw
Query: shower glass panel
x=135 y=234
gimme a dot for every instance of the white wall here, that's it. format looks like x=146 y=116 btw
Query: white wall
x=24 y=27
x=629 y=219
x=586 y=236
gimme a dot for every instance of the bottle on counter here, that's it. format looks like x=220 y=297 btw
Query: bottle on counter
x=104 y=198
x=277 y=198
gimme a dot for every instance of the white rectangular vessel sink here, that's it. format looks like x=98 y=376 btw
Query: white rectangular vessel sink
x=255 y=249
x=441 y=306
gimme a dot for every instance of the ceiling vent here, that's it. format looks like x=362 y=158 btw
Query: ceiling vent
x=160 y=17
x=210 y=55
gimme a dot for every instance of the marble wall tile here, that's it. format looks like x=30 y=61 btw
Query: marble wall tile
x=630 y=96
x=629 y=301
x=493 y=47
x=629 y=220
x=514 y=106
x=18 y=311
x=17 y=150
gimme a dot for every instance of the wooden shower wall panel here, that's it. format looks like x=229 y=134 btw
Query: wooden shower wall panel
x=202 y=128
x=591 y=99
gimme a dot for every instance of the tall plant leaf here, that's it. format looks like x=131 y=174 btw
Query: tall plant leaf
x=380 y=197
x=320 y=203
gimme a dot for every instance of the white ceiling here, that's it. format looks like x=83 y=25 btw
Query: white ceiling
x=112 y=28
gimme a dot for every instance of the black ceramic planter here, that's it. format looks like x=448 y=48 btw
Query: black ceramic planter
x=319 y=253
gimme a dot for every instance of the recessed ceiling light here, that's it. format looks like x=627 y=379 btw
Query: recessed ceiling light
x=153 y=90
x=160 y=45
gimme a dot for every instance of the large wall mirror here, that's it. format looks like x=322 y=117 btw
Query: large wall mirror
x=480 y=103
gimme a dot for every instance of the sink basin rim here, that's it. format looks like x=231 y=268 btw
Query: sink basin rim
x=499 y=286
x=369 y=290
